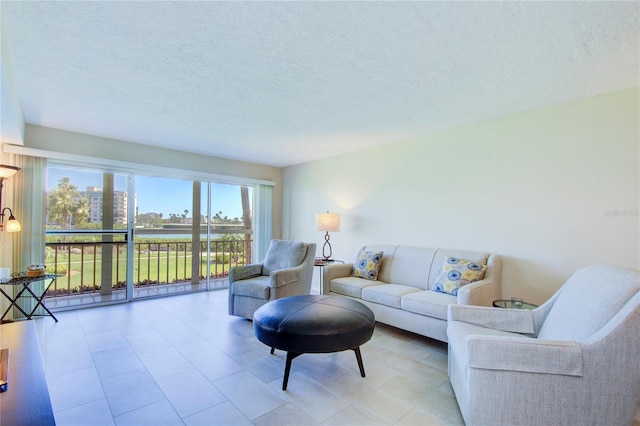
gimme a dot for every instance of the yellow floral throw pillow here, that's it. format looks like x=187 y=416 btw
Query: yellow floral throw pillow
x=457 y=272
x=367 y=264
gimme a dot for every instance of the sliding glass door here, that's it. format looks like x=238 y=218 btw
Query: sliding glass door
x=86 y=235
x=188 y=234
x=168 y=255
x=118 y=236
x=231 y=231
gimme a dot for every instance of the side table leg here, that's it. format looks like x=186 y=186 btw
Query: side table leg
x=40 y=300
x=40 y=303
x=14 y=303
x=10 y=299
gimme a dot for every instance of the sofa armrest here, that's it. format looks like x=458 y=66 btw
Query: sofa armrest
x=245 y=271
x=524 y=354
x=481 y=293
x=332 y=271
x=511 y=320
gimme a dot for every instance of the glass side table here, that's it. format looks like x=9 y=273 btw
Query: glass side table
x=321 y=262
x=511 y=304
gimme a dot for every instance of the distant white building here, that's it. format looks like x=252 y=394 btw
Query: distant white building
x=94 y=194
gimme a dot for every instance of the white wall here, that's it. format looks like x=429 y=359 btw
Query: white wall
x=11 y=118
x=550 y=190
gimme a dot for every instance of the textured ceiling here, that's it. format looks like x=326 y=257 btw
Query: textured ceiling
x=282 y=83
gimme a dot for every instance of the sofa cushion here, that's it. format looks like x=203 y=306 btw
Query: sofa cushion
x=455 y=273
x=351 y=286
x=367 y=264
x=411 y=266
x=427 y=302
x=387 y=294
x=283 y=254
x=257 y=287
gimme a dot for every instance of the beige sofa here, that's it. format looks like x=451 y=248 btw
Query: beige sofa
x=403 y=294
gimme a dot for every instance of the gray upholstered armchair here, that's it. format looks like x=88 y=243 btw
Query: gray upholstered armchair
x=573 y=361
x=286 y=270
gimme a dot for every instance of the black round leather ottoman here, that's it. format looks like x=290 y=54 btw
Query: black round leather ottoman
x=313 y=324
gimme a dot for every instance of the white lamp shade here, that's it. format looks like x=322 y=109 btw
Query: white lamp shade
x=7 y=171
x=328 y=222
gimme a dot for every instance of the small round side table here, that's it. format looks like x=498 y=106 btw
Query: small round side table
x=321 y=262
x=508 y=304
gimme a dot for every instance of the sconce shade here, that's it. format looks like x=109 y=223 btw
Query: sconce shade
x=7 y=171
x=12 y=225
x=328 y=222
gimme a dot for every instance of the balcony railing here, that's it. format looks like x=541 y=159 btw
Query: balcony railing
x=154 y=263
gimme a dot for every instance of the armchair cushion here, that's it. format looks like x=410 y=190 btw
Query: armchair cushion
x=283 y=254
x=256 y=287
x=455 y=273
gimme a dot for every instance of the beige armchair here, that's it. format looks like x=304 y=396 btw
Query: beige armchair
x=573 y=361
x=286 y=270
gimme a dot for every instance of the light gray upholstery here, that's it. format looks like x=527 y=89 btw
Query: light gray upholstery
x=574 y=360
x=286 y=270
x=403 y=294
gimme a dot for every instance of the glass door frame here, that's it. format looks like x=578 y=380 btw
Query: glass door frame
x=130 y=173
x=125 y=232
x=131 y=211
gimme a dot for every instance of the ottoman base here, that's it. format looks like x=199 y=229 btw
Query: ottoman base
x=292 y=355
x=313 y=324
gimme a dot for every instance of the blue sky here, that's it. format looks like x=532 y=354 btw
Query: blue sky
x=154 y=194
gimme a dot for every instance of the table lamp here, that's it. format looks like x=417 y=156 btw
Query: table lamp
x=327 y=222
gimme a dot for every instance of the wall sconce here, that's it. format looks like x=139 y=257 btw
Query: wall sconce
x=327 y=222
x=12 y=224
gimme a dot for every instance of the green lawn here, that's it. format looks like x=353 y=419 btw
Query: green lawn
x=149 y=268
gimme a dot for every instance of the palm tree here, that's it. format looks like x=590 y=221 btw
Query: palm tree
x=66 y=206
x=81 y=214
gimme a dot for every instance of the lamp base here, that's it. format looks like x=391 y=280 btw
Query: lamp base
x=324 y=247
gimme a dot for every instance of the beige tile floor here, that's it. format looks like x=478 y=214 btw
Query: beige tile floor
x=183 y=360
